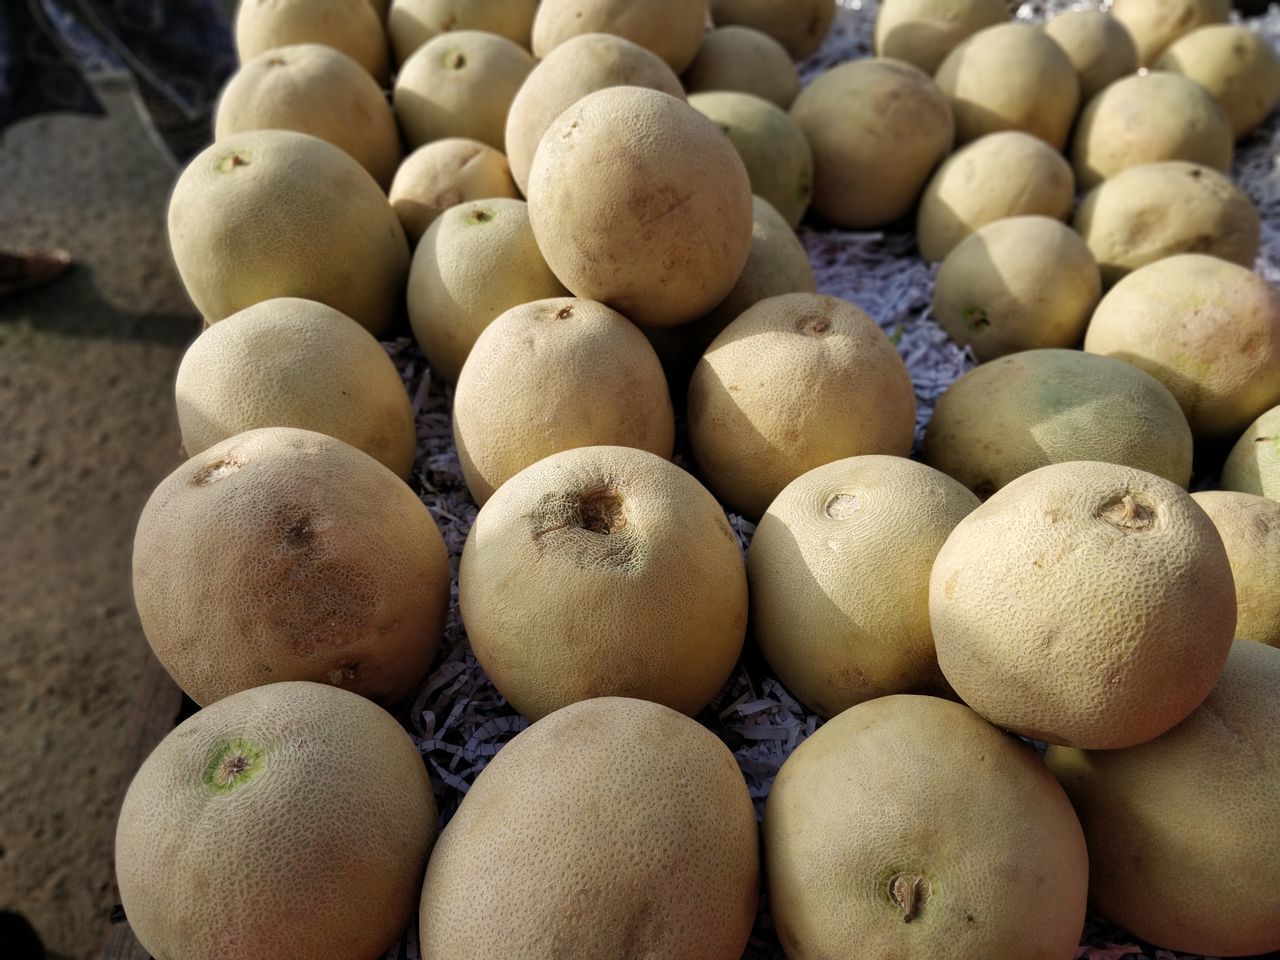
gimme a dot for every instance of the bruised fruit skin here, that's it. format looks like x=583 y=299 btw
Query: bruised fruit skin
x=670 y=28
x=1017 y=284
x=444 y=174
x=909 y=827
x=351 y=26
x=1234 y=64
x=923 y=32
x=772 y=146
x=292 y=821
x=846 y=392
x=1253 y=466
x=1158 y=210
x=592 y=380
x=612 y=828
x=877 y=128
x=603 y=571
x=1154 y=24
x=1184 y=831
x=284 y=554
x=1008 y=174
x=641 y=203
x=577 y=67
x=1148 y=118
x=273 y=213
x=412 y=23
x=746 y=61
x=777 y=264
x=1010 y=77
x=475 y=262
x=460 y=84
x=295 y=363
x=1207 y=329
x=1250 y=529
x=839 y=579
x=1098 y=45
x=1030 y=409
x=314 y=89
x=799 y=26
x=1085 y=604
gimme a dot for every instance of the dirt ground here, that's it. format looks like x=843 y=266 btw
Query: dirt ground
x=87 y=429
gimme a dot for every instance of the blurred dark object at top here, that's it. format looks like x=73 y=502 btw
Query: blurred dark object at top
x=179 y=53
x=1252 y=8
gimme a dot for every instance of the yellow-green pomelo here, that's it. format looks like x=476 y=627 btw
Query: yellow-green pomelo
x=1098 y=45
x=290 y=821
x=1030 y=409
x=839 y=579
x=923 y=32
x=1154 y=24
x=1207 y=329
x=552 y=375
x=1011 y=77
x=295 y=363
x=460 y=84
x=670 y=28
x=772 y=146
x=1017 y=284
x=1250 y=529
x=745 y=60
x=443 y=174
x=612 y=828
x=1008 y=174
x=1253 y=466
x=877 y=128
x=795 y=382
x=799 y=25
x=777 y=264
x=475 y=262
x=640 y=202
x=1158 y=210
x=412 y=23
x=1147 y=118
x=577 y=67
x=1184 y=831
x=603 y=571
x=1234 y=64
x=284 y=554
x=909 y=827
x=314 y=89
x=273 y=213
x=1085 y=604
x=352 y=26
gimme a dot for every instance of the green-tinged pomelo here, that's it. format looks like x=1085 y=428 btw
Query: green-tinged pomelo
x=1253 y=465
x=290 y=821
x=799 y=25
x=745 y=60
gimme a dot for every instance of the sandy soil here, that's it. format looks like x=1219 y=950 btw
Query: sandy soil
x=87 y=429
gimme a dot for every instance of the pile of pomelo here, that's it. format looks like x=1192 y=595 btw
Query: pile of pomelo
x=585 y=209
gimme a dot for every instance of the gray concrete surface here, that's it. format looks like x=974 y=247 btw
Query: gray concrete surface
x=87 y=429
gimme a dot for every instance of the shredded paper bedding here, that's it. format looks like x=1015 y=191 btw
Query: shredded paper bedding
x=460 y=721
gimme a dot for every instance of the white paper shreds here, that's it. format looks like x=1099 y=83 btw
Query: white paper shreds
x=459 y=720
